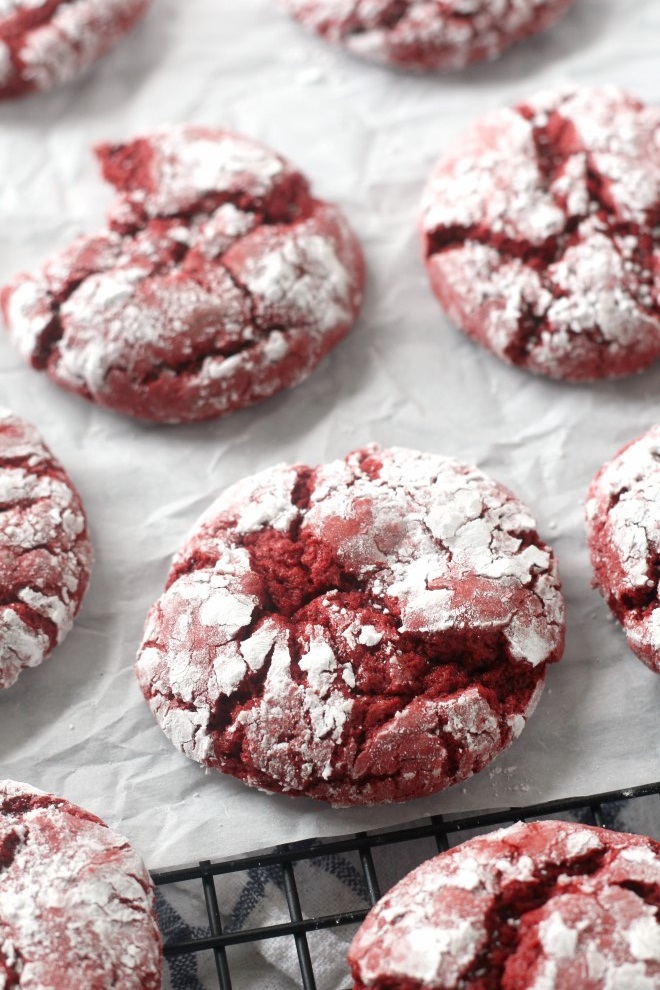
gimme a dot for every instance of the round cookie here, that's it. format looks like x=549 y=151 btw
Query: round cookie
x=47 y=42
x=540 y=233
x=76 y=902
x=371 y=630
x=623 y=533
x=218 y=281
x=426 y=35
x=45 y=553
x=546 y=906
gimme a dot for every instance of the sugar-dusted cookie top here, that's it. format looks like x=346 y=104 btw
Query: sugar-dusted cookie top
x=543 y=906
x=540 y=233
x=218 y=281
x=47 y=42
x=76 y=902
x=370 y=630
x=623 y=532
x=426 y=35
x=45 y=552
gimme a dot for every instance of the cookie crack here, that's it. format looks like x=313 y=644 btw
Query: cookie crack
x=396 y=11
x=552 y=158
x=648 y=893
x=286 y=204
x=536 y=256
x=298 y=205
x=512 y=903
x=10 y=846
x=25 y=505
x=32 y=464
x=387 y=19
x=192 y=366
x=276 y=556
x=26 y=21
x=11 y=966
x=556 y=142
x=36 y=621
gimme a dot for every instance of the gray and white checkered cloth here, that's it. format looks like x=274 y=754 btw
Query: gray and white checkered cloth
x=327 y=885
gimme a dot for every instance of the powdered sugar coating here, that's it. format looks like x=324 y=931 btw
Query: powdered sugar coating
x=45 y=553
x=372 y=630
x=76 y=902
x=540 y=233
x=218 y=282
x=426 y=35
x=44 y=43
x=623 y=531
x=545 y=906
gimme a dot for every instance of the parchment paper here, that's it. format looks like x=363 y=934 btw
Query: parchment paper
x=78 y=726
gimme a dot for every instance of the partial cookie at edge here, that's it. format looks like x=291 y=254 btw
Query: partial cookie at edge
x=45 y=552
x=540 y=233
x=77 y=906
x=43 y=45
x=548 y=904
x=623 y=532
x=426 y=36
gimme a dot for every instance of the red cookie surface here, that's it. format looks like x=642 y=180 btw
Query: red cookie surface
x=45 y=553
x=371 y=630
x=427 y=35
x=218 y=282
x=545 y=906
x=76 y=902
x=540 y=233
x=47 y=42
x=623 y=533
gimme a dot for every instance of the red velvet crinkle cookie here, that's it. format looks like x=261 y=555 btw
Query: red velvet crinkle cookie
x=427 y=35
x=47 y=42
x=546 y=906
x=219 y=281
x=45 y=553
x=540 y=233
x=371 y=630
x=623 y=532
x=77 y=907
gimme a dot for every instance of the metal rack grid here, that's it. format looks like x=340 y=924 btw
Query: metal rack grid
x=445 y=831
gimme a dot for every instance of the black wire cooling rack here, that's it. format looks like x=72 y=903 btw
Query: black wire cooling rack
x=601 y=809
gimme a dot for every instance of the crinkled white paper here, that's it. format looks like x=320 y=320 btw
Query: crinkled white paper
x=367 y=137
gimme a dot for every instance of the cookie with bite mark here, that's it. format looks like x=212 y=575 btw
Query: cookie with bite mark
x=218 y=281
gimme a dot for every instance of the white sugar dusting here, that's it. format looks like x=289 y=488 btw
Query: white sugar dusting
x=558 y=940
x=439 y=576
x=305 y=276
x=479 y=570
x=189 y=162
x=64 y=41
x=256 y=648
x=43 y=526
x=586 y=304
x=8 y=7
x=437 y=923
x=269 y=502
x=369 y=636
x=427 y=36
x=643 y=936
x=623 y=526
x=213 y=307
x=76 y=902
x=317 y=712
